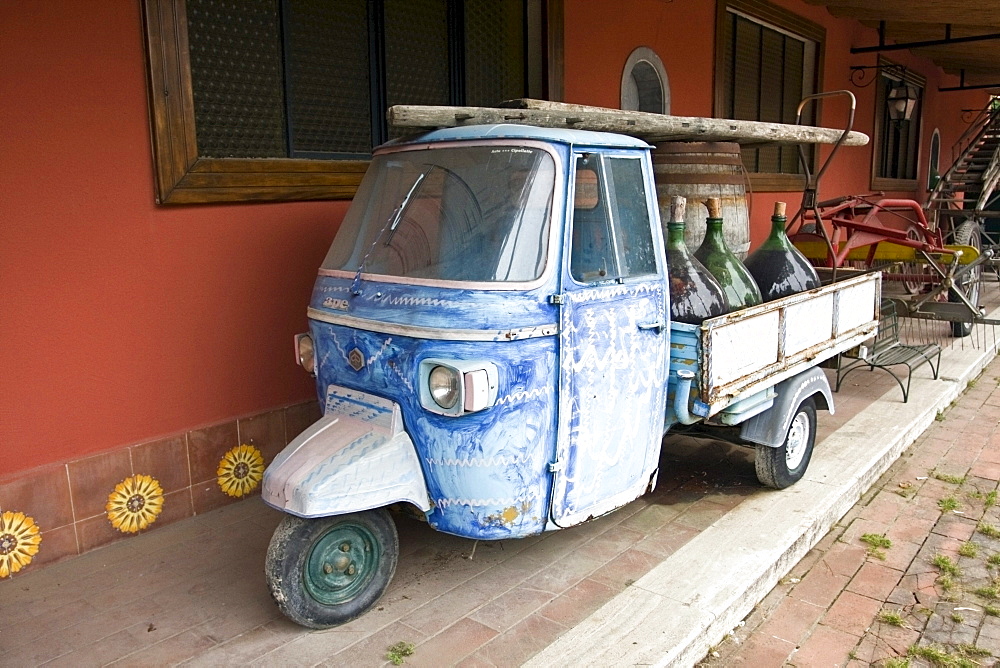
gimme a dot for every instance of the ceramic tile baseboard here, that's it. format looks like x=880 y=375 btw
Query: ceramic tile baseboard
x=79 y=505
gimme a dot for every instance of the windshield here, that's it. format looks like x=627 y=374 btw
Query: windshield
x=474 y=213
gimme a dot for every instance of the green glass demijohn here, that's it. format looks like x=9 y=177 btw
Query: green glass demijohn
x=737 y=283
x=695 y=295
x=778 y=267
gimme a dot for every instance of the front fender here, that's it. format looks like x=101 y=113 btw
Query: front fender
x=769 y=428
x=356 y=457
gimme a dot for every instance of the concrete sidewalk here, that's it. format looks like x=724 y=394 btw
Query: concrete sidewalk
x=659 y=581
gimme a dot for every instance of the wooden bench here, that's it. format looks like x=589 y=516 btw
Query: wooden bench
x=887 y=352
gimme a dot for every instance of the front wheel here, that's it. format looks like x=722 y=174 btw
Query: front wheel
x=327 y=571
x=784 y=465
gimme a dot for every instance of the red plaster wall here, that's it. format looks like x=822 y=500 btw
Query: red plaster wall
x=121 y=321
x=600 y=35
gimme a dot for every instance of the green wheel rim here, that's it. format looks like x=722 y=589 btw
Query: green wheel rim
x=341 y=563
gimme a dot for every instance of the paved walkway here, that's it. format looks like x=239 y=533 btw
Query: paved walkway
x=655 y=582
x=911 y=575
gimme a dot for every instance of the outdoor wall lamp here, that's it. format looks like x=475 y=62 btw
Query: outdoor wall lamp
x=902 y=101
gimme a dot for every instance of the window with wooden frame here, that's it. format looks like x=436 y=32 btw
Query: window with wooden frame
x=896 y=142
x=767 y=60
x=266 y=100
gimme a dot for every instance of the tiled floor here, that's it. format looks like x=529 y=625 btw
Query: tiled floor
x=194 y=592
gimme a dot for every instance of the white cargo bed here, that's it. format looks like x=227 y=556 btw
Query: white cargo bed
x=745 y=352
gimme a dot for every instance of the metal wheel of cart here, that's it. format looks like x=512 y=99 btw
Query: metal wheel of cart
x=968 y=233
x=326 y=571
x=782 y=466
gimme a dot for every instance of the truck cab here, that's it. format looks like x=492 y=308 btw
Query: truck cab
x=503 y=287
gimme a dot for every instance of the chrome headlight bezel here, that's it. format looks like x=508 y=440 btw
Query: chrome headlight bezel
x=305 y=352
x=474 y=380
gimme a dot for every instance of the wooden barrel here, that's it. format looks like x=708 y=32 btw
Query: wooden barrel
x=697 y=171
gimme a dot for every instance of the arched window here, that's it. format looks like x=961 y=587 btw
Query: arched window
x=934 y=160
x=645 y=86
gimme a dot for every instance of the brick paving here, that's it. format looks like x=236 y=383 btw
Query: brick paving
x=930 y=595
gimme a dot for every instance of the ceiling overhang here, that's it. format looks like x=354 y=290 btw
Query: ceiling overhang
x=960 y=36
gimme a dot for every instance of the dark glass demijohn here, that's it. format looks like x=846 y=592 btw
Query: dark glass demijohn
x=737 y=283
x=695 y=295
x=778 y=267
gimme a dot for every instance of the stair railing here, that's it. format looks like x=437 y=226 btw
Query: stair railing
x=988 y=117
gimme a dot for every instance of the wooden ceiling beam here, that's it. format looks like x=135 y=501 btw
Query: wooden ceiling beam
x=924 y=27
x=968 y=12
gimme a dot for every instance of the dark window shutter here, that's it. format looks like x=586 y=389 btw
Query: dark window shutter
x=416 y=52
x=328 y=75
x=763 y=74
x=237 y=75
x=494 y=51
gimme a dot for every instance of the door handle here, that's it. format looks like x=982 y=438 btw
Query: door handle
x=655 y=326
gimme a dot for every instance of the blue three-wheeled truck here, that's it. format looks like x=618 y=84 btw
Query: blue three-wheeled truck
x=493 y=351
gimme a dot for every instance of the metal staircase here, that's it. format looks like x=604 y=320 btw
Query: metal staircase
x=970 y=189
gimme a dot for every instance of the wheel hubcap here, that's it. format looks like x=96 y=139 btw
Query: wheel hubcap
x=341 y=563
x=795 y=445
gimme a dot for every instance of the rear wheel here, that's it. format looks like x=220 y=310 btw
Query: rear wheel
x=326 y=571
x=967 y=234
x=785 y=465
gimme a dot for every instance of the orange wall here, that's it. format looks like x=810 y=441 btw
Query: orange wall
x=121 y=321
x=600 y=35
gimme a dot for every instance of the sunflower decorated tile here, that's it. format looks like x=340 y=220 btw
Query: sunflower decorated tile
x=241 y=470
x=135 y=503
x=19 y=540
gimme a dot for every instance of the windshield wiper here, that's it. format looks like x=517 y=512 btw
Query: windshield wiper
x=398 y=216
x=391 y=224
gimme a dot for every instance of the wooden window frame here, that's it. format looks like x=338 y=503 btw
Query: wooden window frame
x=778 y=16
x=882 y=183
x=182 y=177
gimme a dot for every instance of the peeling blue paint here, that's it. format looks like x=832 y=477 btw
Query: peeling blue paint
x=477 y=466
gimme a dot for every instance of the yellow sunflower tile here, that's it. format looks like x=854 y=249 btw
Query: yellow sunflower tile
x=241 y=470
x=19 y=539
x=135 y=504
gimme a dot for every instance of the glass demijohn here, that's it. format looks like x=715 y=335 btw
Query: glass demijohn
x=695 y=295
x=778 y=267
x=737 y=283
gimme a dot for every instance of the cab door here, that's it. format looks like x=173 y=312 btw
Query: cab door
x=614 y=338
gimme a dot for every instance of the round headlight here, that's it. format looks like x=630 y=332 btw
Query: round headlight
x=443 y=385
x=307 y=355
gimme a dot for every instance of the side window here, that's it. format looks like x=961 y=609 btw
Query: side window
x=635 y=238
x=934 y=160
x=592 y=257
x=612 y=237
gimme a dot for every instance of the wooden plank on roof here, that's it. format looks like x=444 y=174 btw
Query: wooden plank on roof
x=653 y=128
